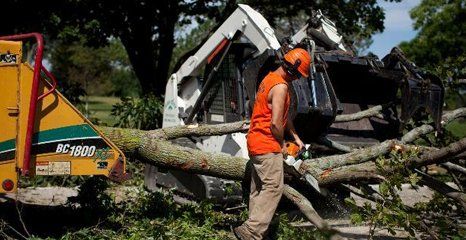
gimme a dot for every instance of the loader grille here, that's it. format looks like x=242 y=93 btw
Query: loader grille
x=221 y=103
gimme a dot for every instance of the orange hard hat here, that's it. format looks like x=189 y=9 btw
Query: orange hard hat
x=304 y=60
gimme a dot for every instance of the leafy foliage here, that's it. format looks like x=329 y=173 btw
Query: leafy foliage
x=442 y=36
x=148 y=29
x=98 y=71
x=140 y=214
x=92 y=196
x=390 y=213
x=357 y=20
x=440 y=45
x=144 y=113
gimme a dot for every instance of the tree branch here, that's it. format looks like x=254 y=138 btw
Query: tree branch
x=454 y=167
x=427 y=128
x=204 y=130
x=175 y=132
x=354 y=157
x=444 y=189
x=332 y=144
x=308 y=210
x=306 y=207
x=371 y=112
x=368 y=170
x=356 y=191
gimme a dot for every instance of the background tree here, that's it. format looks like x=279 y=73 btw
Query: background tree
x=148 y=29
x=442 y=32
x=102 y=71
x=440 y=45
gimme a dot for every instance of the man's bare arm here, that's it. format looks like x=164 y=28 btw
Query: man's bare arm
x=292 y=131
x=278 y=97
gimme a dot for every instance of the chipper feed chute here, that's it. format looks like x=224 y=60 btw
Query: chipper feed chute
x=41 y=132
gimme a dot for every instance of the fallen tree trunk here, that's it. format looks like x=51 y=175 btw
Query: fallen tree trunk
x=152 y=147
x=149 y=147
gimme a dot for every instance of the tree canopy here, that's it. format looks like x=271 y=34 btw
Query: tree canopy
x=442 y=35
x=148 y=29
x=98 y=70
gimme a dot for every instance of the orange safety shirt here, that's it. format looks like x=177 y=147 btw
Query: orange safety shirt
x=260 y=139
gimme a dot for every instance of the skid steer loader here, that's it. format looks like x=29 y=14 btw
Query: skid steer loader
x=217 y=84
x=41 y=132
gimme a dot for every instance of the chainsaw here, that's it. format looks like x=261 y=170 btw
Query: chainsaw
x=295 y=156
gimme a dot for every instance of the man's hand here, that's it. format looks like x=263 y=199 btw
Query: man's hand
x=292 y=131
x=299 y=143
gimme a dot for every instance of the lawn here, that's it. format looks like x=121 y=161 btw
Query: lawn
x=100 y=107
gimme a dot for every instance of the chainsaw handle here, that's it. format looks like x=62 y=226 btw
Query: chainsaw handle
x=54 y=83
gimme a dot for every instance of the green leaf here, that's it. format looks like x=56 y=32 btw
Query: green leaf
x=384 y=188
x=350 y=201
x=356 y=218
x=414 y=179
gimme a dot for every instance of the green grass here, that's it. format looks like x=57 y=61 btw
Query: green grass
x=458 y=128
x=100 y=108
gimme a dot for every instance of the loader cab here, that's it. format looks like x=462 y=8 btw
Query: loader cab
x=226 y=100
x=314 y=105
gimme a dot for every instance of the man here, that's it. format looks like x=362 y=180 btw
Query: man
x=265 y=141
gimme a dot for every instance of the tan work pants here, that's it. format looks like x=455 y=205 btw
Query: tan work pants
x=266 y=192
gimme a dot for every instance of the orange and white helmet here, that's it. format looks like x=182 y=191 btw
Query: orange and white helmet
x=297 y=61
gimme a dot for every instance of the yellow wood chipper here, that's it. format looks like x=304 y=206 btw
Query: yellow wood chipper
x=41 y=132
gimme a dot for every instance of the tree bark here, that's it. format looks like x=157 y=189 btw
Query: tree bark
x=308 y=210
x=154 y=148
x=166 y=42
x=426 y=128
x=371 y=112
x=151 y=147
